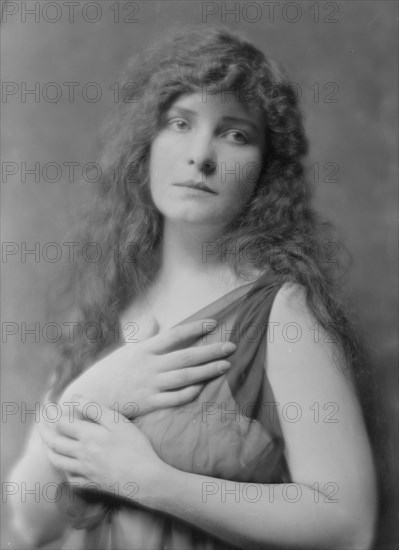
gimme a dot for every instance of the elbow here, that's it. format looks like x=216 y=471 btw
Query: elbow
x=358 y=539
x=352 y=527
x=21 y=528
x=362 y=521
x=24 y=534
x=362 y=537
x=358 y=532
x=28 y=536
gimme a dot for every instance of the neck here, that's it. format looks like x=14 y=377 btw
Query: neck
x=188 y=252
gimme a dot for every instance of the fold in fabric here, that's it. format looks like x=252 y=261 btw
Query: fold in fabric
x=230 y=431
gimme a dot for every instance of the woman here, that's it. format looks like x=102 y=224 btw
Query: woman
x=210 y=238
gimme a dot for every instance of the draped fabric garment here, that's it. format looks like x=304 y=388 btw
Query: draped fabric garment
x=231 y=432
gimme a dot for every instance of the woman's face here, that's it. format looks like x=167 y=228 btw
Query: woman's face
x=213 y=141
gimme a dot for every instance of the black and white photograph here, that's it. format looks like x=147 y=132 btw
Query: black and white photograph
x=199 y=275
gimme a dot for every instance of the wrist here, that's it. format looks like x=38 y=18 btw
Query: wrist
x=154 y=491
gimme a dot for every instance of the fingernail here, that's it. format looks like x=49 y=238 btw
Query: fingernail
x=228 y=347
x=223 y=367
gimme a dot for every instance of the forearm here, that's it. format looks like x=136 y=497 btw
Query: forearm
x=32 y=492
x=252 y=515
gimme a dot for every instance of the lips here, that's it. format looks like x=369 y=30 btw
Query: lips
x=196 y=185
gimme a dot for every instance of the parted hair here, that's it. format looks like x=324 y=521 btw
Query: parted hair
x=278 y=228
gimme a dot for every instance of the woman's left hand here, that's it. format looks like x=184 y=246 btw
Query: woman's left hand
x=99 y=447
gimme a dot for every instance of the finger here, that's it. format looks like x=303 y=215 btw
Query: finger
x=64 y=463
x=90 y=412
x=80 y=408
x=105 y=417
x=190 y=357
x=177 y=398
x=46 y=429
x=83 y=412
x=78 y=482
x=49 y=430
x=180 y=335
x=63 y=445
x=148 y=330
x=70 y=426
x=45 y=434
x=185 y=377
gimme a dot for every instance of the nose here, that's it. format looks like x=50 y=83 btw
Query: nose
x=202 y=155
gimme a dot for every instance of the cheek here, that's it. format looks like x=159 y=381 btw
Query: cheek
x=161 y=168
x=157 y=159
x=158 y=168
x=164 y=157
x=249 y=172
x=252 y=175
x=239 y=196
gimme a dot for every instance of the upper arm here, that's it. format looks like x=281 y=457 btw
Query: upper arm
x=37 y=520
x=321 y=420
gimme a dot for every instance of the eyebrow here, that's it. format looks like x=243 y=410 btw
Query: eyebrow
x=183 y=110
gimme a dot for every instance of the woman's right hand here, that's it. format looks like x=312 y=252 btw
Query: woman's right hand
x=162 y=371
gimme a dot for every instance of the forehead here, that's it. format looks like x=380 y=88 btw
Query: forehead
x=222 y=104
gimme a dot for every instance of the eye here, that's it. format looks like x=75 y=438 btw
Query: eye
x=178 y=124
x=240 y=137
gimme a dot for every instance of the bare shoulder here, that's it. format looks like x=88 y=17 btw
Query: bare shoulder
x=290 y=311
x=300 y=349
x=290 y=300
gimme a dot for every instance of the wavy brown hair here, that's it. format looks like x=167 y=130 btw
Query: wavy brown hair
x=278 y=229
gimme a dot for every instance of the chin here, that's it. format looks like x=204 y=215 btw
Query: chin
x=194 y=219
x=190 y=213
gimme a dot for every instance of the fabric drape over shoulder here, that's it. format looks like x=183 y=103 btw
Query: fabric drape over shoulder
x=230 y=431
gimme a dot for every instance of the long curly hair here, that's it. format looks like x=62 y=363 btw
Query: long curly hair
x=278 y=229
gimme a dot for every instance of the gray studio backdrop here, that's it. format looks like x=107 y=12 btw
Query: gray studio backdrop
x=342 y=57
